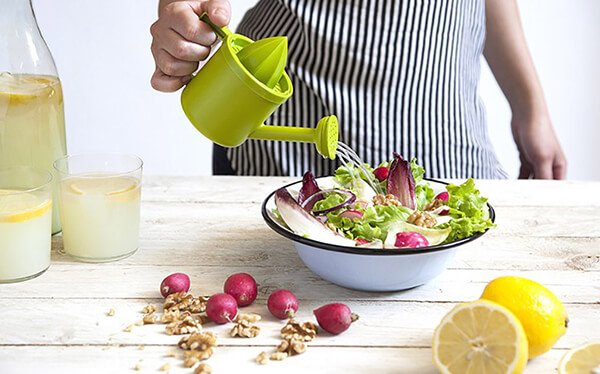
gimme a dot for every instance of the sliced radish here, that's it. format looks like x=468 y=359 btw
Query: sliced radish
x=351 y=214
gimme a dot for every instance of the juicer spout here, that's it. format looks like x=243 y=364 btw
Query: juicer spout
x=325 y=136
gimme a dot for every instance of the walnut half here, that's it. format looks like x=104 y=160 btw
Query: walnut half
x=306 y=331
x=422 y=219
x=245 y=329
x=292 y=347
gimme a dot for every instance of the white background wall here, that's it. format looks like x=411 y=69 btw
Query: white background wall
x=102 y=52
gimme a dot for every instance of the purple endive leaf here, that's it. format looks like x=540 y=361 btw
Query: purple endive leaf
x=401 y=183
x=309 y=188
x=305 y=224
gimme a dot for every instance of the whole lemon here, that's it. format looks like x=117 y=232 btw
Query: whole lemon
x=542 y=315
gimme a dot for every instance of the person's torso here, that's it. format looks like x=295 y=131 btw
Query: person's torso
x=400 y=75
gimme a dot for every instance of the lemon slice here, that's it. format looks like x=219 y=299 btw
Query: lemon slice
x=480 y=337
x=584 y=359
x=20 y=207
x=22 y=88
x=99 y=185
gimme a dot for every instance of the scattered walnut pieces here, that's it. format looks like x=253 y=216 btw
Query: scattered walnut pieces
x=203 y=369
x=129 y=328
x=422 y=219
x=198 y=341
x=185 y=302
x=306 y=331
x=262 y=358
x=278 y=356
x=292 y=347
x=137 y=367
x=245 y=329
x=172 y=353
x=250 y=317
x=165 y=367
x=187 y=325
x=149 y=309
x=386 y=200
x=139 y=323
x=433 y=205
x=111 y=312
x=149 y=319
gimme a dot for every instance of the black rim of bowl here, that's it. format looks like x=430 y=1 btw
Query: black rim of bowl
x=365 y=250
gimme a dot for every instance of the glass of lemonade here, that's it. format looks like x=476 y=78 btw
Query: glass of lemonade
x=99 y=199
x=25 y=223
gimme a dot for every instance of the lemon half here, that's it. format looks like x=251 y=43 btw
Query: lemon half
x=16 y=206
x=584 y=359
x=480 y=337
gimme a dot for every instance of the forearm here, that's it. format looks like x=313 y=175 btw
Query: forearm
x=509 y=59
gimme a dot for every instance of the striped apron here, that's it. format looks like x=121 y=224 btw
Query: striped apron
x=400 y=75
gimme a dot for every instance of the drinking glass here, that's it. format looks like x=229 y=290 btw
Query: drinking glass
x=99 y=200
x=25 y=222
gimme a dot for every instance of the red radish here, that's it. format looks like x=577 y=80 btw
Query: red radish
x=335 y=318
x=362 y=241
x=242 y=287
x=444 y=196
x=177 y=282
x=381 y=173
x=410 y=239
x=282 y=304
x=221 y=308
x=351 y=214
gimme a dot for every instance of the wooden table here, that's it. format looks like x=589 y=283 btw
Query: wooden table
x=210 y=227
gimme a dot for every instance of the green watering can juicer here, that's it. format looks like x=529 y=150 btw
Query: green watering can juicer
x=241 y=85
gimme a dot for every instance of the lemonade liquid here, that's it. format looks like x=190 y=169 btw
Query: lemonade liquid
x=100 y=216
x=32 y=124
x=25 y=234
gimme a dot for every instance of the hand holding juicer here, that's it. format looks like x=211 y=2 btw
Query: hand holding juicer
x=240 y=87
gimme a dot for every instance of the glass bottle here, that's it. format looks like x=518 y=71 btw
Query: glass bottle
x=32 y=122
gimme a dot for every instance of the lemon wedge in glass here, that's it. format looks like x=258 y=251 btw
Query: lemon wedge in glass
x=16 y=206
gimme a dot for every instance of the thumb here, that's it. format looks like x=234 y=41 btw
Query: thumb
x=219 y=11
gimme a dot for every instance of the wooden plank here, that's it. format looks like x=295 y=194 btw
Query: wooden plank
x=191 y=221
x=91 y=360
x=224 y=189
x=113 y=280
x=266 y=248
x=383 y=324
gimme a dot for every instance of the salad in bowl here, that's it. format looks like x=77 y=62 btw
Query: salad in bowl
x=378 y=229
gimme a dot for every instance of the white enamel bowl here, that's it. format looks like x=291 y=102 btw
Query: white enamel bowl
x=368 y=269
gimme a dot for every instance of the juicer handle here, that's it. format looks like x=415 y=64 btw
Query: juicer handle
x=222 y=32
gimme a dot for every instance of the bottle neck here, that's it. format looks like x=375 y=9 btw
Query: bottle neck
x=22 y=47
x=15 y=11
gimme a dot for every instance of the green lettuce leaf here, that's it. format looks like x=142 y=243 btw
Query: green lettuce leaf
x=373 y=225
x=468 y=209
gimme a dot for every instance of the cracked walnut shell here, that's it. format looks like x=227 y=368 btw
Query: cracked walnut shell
x=306 y=331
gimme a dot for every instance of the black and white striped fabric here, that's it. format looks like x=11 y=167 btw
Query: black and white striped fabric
x=400 y=75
